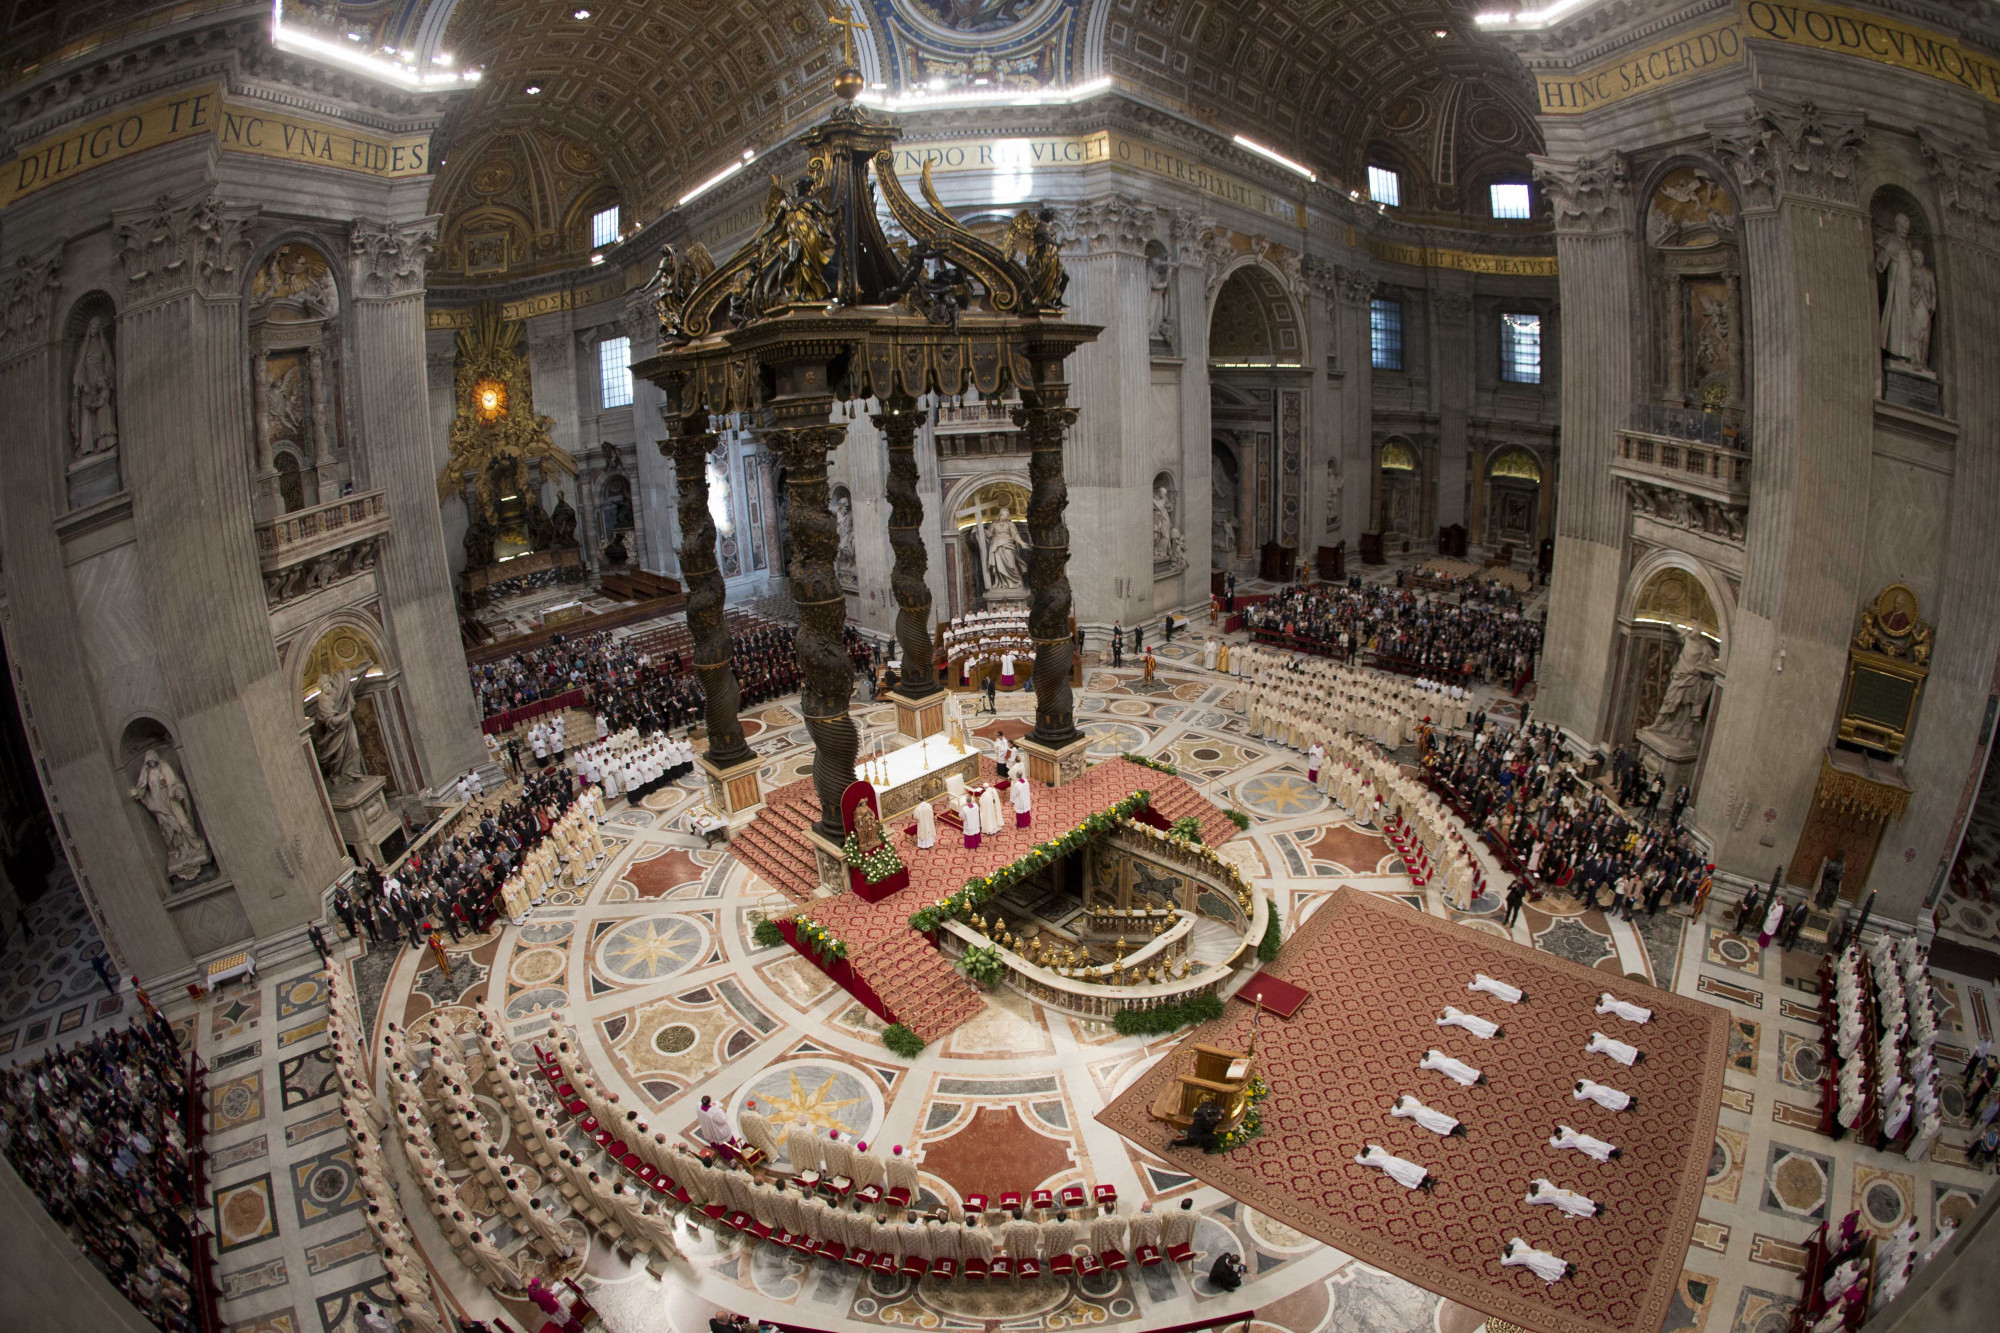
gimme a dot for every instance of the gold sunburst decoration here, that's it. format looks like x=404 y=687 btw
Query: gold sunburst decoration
x=816 y=1106
x=496 y=434
x=489 y=400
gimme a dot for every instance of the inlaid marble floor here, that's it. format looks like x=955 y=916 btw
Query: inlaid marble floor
x=656 y=965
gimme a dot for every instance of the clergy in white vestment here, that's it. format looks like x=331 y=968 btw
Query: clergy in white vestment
x=1007 y=670
x=1456 y=1070
x=1482 y=1028
x=1404 y=1172
x=1208 y=655
x=1436 y=1121
x=1606 y=1096
x=1017 y=792
x=989 y=809
x=1626 y=1010
x=1314 y=758
x=1565 y=1137
x=715 y=1127
x=1623 y=1052
x=926 y=826
x=968 y=815
x=1569 y=1201
x=1541 y=1263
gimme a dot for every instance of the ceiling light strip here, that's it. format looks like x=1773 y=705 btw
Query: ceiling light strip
x=919 y=99
x=749 y=156
x=301 y=42
x=1277 y=157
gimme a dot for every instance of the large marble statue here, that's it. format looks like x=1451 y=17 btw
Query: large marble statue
x=336 y=744
x=1163 y=524
x=843 y=518
x=93 y=410
x=1686 y=697
x=1909 y=295
x=1160 y=281
x=1006 y=562
x=562 y=523
x=166 y=799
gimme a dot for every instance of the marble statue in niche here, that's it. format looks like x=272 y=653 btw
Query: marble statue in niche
x=1685 y=701
x=1909 y=296
x=93 y=392
x=843 y=519
x=1006 y=562
x=1160 y=301
x=160 y=790
x=1335 y=489
x=1169 y=546
x=336 y=742
x=563 y=523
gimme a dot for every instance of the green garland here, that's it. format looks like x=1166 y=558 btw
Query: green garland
x=1238 y=818
x=766 y=933
x=1274 y=935
x=1157 y=765
x=875 y=867
x=902 y=1041
x=1162 y=1019
x=979 y=889
x=1252 y=1123
x=823 y=943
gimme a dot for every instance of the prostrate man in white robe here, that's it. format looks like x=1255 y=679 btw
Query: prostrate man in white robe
x=1482 y=1028
x=1623 y=1052
x=1499 y=990
x=1604 y=1095
x=1541 y=1263
x=1456 y=1070
x=1569 y=1201
x=1404 y=1172
x=1626 y=1010
x=1596 y=1149
x=1437 y=1122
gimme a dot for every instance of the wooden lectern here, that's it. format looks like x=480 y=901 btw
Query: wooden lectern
x=1219 y=1076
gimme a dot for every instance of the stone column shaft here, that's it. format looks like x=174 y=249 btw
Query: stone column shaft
x=1046 y=421
x=899 y=423
x=721 y=695
x=828 y=683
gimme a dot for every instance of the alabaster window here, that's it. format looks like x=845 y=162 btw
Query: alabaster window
x=614 y=369
x=1385 y=186
x=1385 y=334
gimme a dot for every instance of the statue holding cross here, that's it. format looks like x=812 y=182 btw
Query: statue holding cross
x=847 y=29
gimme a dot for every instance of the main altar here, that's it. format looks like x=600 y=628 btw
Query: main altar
x=919 y=771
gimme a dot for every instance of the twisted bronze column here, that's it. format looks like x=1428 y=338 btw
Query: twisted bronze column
x=828 y=682
x=1045 y=419
x=720 y=693
x=898 y=423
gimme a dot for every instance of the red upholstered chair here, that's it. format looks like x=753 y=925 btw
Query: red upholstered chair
x=1147 y=1256
x=1089 y=1265
x=761 y=1230
x=975 y=1270
x=944 y=1268
x=898 y=1197
x=737 y=1221
x=885 y=1262
x=975 y=1203
x=832 y=1251
x=1027 y=1269
x=588 y=1124
x=681 y=1196
x=632 y=1161
x=1042 y=1199
x=915 y=1266
x=837 y=1188
x=1010 y=1200
x=802 y=1244
x=1072 y=1196
x=1181 y=1253
x=1002 y=1266
x=861 y=1258
x=806 y=1180
x=574 y=1108
x=1104 y=1194
x=869 y=1194
x=1113 y=1260
x=662 y=1185
x=644 y=1170
x=714 y=1211
x=1062 y=1265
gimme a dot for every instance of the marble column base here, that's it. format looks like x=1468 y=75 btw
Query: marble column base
x=1053 y=767
x=735 y=792
x=831 y=863
x=918 y=718
x=363 y=816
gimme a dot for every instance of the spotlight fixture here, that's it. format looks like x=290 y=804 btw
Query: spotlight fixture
x=1441 y=33
x=580 y=15
x=534 y=88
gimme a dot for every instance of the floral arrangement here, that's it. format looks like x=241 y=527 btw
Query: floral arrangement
x=983 y=965
x=766 y=933
x=902 y=1041
x=979 y=889
x=1238 y=818
x=875 y=867
x=1161 y=1019
x=1187 y=828
x=824 y=944
x=1252 y=1123
x=1157 y=765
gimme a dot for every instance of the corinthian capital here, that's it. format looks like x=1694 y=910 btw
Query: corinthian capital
x=1968 y=185
x=1590 y=194
x=1338 y=282
x=389 y=257
x=193 y=242
x=31 y=295
x=1792 y=150
x=1118 y=222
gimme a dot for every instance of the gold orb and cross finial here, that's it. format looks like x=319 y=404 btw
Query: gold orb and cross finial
x=847 y=81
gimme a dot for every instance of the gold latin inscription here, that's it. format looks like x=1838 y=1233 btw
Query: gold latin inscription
x=1849 y=32
x=237 y=127
x=1688 y=56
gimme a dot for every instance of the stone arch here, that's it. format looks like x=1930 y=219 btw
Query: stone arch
x=1646 y=576
x=1252 y=319
x=1696 y=296
x=1399 y=487
x=1515 y=493
x=144 y=734
x=293 y=296
x=352 y=641
x=1666 y=593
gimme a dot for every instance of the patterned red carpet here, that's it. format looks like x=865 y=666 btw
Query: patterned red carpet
x=1381 y=975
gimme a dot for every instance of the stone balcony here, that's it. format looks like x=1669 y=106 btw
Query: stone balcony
x=311 y=548
x=1702 y=453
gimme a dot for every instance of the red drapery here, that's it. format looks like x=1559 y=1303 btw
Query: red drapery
x=841 y=971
